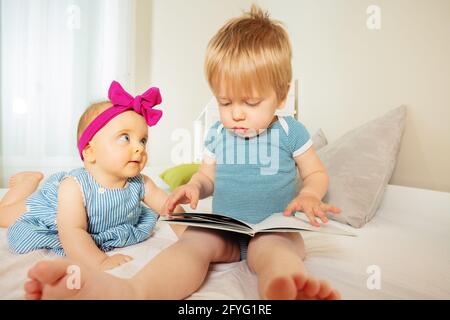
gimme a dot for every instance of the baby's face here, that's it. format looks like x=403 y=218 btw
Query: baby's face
x=120 y=146
x=249 y=115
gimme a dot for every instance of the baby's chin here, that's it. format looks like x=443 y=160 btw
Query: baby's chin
x=248 y=133
x=133 y=169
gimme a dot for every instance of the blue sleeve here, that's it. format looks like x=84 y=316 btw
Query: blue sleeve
x=299 y=139
x=211 y=139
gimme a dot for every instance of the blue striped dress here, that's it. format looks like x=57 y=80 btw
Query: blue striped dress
x=116 y=217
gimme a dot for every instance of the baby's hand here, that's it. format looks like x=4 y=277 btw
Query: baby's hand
x=188 y=193
x=114 y=261
x=312 y=207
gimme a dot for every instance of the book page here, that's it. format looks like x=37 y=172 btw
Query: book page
x=210 y=225
x=208 y=220
x=275 y=222
x=279 y=222
x=205 y=217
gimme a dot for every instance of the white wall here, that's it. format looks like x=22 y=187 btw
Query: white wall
x=180 y=33
x=348 y=74
x=142 y=44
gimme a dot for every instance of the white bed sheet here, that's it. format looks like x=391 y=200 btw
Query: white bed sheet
x=409 y=240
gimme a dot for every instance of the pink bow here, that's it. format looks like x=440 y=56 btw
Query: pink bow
x=142 y=104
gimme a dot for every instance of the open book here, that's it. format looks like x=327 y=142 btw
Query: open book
x=274 y=223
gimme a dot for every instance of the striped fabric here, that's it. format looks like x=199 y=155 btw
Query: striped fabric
x=116 y=217
x=256 y=177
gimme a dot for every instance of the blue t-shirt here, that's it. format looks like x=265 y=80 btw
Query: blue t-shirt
x=256 y=177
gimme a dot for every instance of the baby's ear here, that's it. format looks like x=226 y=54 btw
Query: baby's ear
x=88 y=153
x=282 y=103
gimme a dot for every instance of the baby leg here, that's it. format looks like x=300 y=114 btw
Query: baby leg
x=10 y=213
x=180 y=270
x=64 y=279
x=277 y=259
x=12 y=205
x=174 y=274
x=178 y=229
x=21 y=186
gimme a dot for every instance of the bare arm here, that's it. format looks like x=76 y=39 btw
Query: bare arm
x=199 y=187
x=72 y=226
x=204 y=178
x=156 y=198
x=313 y=173
x=315 y=186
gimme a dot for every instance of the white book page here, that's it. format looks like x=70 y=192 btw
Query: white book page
x=214 y=226
x=299 y=221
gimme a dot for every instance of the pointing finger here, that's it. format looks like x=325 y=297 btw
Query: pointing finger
x=193 y=196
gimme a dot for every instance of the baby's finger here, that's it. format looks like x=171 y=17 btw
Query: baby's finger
x=169 y=204
x=128 y=258
x=335 y=210
x=288 y=211
x=33 y=286
x=292 y=207
x=312 y=219
x=308 y=210
x=174 y=199
x=330 y=208
x=193 y=195
x=165 y=208
x=320 y=214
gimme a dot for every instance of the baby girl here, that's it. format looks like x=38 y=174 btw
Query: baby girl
x=88 y=211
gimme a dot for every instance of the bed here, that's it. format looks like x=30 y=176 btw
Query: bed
x=403 y=253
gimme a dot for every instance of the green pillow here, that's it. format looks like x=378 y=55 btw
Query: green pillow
x=179 y=175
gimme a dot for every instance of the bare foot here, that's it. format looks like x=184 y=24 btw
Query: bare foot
x=21 y=186
x=52 y=280
x=30 y=177
x=300 y=287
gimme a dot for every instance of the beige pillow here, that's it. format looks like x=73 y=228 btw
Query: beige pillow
x=319 y=140
x=360 y=165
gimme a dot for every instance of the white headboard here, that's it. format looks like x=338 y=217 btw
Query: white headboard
x=210 y=114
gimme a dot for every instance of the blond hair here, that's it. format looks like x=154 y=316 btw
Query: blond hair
x=250 y=52
x=89 y=115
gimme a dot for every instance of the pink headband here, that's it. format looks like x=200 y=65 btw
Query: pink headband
x=122 y=101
